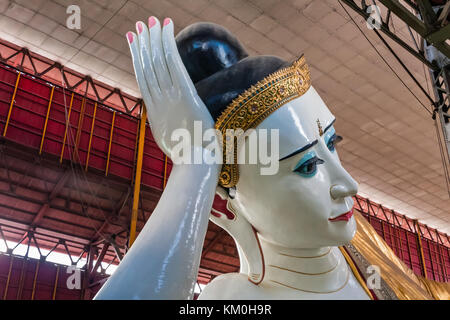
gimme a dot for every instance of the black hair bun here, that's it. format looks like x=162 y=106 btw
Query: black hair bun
x=207 y=48
x=219 y=66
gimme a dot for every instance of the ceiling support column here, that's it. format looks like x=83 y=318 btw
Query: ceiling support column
x=137 y=178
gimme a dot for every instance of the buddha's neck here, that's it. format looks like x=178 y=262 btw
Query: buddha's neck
x=320 y=270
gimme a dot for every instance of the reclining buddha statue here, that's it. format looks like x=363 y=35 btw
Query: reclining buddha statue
x=297 y=234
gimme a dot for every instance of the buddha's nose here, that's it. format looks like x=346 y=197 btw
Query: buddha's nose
x=348 y=188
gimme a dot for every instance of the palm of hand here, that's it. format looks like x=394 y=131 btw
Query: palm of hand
x=169 y=94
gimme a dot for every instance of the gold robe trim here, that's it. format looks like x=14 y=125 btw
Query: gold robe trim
x=401 y=280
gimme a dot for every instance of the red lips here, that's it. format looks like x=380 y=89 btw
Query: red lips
x=343 y=217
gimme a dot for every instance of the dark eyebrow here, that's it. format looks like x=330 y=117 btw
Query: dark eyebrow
x=331 y=124
x=309 y=145
x=300 y=150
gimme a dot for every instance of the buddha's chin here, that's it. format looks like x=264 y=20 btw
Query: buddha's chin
x=338 y=233
x=345 y=231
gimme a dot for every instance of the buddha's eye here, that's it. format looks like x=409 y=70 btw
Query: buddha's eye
x=333 y=141
x=307 y=166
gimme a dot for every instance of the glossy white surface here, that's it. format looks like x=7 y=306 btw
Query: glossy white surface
x=164 y=260
x=291 y=216
x=282 y=225
x=297 y=121
x=235 y=286
x=289 y=209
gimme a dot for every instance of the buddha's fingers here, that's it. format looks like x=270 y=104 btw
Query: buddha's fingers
x=135 y=55
x=146 y=61
x=158 y=59
x=178 y=72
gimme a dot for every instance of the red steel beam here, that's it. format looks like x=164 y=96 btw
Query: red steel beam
x=99 y=259
x=57 y=74
x=59 y=185
x=213 y=242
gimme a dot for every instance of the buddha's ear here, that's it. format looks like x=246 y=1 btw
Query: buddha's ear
x=245 y=236
x=222 y=192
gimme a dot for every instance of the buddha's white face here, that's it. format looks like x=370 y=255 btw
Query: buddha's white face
x=295 y=207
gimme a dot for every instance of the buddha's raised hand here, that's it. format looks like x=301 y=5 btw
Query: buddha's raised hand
x=164 y=260
x=168 y=91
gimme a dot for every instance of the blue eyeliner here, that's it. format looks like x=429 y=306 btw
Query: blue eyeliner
x=307 y=166
x=330 y=133
x=306 y=157
x=329 y=138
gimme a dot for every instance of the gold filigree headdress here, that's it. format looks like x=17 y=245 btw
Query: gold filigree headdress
x=254 y=105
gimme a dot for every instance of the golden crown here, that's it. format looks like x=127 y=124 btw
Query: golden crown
x=256 y=104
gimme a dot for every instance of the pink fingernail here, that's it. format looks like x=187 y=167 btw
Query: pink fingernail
x=139 y=27
x=130 y=37
x=151 y=21
x=166 y=21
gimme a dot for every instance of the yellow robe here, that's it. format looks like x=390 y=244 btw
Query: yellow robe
x=401 y=280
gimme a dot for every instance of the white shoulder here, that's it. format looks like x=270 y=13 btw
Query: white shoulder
x=230 y=286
